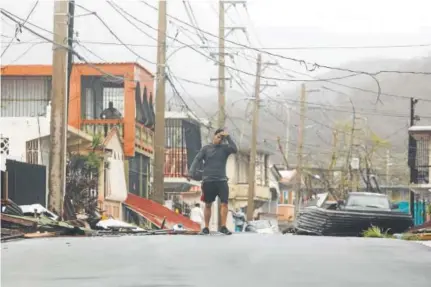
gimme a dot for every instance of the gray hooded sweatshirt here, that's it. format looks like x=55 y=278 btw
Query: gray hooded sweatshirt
x=214 y=157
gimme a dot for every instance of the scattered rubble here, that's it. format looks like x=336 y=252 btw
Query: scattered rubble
x=35 y=221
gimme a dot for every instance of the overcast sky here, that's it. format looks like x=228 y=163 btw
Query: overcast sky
x=268 y=23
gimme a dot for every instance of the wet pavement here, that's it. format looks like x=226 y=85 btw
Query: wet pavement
x=206 y=261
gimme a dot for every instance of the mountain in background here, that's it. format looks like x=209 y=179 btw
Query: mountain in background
x=387 y=115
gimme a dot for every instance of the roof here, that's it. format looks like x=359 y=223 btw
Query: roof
x=182 y=116
x=243 y=150
x=155 y=213
x=71 y=131
x=420 y=129
x=110 y=135
x=46 y=70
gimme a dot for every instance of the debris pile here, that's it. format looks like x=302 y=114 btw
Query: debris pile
x=32 y=221
x=421 y=232
x=35 y=221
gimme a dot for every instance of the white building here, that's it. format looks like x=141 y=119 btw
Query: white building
x=24 y=114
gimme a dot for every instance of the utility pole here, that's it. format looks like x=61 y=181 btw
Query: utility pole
x=252 y=170
x=221 y=72
x=412 y=143
x=286 y=148
x=58 y=131
x=221 y=68
x=412 y=156
x=300 y=148
x=159 y=135
x=388 y=164
x=71 y=24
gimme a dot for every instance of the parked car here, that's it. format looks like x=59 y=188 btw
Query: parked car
x=351 y=217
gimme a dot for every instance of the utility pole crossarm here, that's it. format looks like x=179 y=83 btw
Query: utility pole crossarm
x=231 y=29
x=264 y=86
x=233 y=4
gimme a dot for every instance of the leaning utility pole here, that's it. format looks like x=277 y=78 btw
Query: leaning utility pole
x=159 y=135
x=57 y=160
x=300 y=148
x=252 y=170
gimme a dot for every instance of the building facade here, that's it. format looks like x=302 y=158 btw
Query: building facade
x=102 y=96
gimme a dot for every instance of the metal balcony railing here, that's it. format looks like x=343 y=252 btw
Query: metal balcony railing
x=102 y=127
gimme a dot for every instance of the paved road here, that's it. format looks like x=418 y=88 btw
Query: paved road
x=240 y=260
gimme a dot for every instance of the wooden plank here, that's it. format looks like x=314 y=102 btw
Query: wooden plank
x=18 y=220
x=39 y=235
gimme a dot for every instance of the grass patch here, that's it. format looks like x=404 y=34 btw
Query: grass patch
x=376 y=232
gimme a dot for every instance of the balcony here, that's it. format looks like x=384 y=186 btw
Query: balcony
x=102 y=127
x=240 y=192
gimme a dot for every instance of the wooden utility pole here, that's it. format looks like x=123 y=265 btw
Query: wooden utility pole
x=57 y=159
x=221 y=84
x=286 y=149
x=252 y=170
x=300 y=148
x=71 y=24
x=221 y=67
x=159 y=136
x=388 y=164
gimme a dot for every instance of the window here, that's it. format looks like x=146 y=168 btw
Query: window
x=114 y=95
x=32 y=150
x=368 y=201
x=97 y=94
x=4 y=145
x=24 y=96
x=89 y=104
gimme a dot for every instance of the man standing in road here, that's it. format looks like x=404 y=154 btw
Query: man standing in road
x=214 y=179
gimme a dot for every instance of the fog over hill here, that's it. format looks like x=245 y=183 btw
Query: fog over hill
x=388 y=118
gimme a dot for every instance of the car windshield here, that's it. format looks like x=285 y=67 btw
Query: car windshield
x=368 y=201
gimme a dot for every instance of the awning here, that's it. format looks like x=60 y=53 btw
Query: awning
x=155 y=213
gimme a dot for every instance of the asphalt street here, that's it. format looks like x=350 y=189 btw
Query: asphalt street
x=238 y=260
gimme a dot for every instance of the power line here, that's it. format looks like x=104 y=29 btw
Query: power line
x=11 y=17
x=229 y=67
x=18 y=29
x=313 y=67
x=115 y=35
x=24 y=53
x=249 y=48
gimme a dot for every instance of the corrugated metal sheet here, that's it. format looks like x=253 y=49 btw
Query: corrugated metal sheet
x=24 y=96
x=155 y=213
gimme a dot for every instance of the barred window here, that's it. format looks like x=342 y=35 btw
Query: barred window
x=4 y=145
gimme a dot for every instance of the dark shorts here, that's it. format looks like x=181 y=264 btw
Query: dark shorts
x=212 y=189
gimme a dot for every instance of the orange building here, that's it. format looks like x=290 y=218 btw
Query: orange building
x=94 y=88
